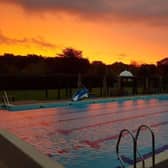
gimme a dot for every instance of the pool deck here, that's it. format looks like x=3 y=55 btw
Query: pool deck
x=15 y=153
x=163 y=164
x=23 y=102
x=161 y=160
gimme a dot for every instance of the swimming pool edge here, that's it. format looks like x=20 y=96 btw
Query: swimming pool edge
x=16 y=153
x=12 y=107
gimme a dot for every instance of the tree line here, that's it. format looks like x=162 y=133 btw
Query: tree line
x=69 y=64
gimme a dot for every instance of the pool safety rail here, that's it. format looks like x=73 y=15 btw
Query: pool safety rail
x=5 y=99
x=153 y=140
x=135 y=146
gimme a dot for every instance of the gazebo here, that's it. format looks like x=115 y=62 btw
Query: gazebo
x=126 y=74
x=126 y=77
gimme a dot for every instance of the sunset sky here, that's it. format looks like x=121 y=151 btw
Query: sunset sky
x=105 y=30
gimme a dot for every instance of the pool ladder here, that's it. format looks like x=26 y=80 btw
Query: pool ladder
x=5 y=98
x=135 y=149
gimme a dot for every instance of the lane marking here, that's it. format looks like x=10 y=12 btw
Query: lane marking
x=96 y=143
x=68 y=131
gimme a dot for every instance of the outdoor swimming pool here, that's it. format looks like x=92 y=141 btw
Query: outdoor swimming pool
x=84 y=135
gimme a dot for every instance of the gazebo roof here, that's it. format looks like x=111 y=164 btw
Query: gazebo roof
x=126 y=73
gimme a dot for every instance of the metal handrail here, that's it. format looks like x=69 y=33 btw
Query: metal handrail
x=141 y=157
x=5 y=98
x=153 y=141
x=134 y=147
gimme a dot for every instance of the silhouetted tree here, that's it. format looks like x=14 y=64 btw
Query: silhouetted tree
x=98 y=68
x=71 y=53
x=72 y=61
x=118 y=67
x=162 y=66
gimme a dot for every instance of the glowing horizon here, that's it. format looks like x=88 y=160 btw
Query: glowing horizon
x=100 y=34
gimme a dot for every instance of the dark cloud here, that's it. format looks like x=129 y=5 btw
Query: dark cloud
x=37 y=41
x=152 y=11
x=76 y=5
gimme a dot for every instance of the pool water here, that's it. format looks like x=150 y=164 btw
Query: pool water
x=85 y=135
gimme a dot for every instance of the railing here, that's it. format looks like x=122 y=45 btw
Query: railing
x=135 y=148
x=153 y=141
x=5 y=98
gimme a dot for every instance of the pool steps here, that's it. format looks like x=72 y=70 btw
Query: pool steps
x=135 y=146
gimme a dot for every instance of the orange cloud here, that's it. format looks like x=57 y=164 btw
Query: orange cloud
x=37 y=41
